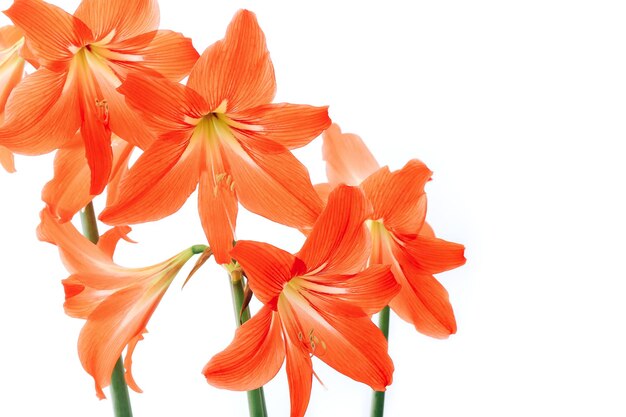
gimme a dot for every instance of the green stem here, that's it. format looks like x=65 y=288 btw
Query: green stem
x=378 y=398
x=119 y=389
x=256 y=398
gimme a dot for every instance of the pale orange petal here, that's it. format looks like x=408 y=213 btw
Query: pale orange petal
x=127 y=18
x=122 y=152
x=11 y=64
x=51 y=31
x=128 y=361
x=291 y=125
x=9 y=36
x=81 y=301
x=103 y=339
x=68 y=191
x=348 y=160
x=77 y=252
x=6 y=159
x=237 y=69
x=40 y=115
x=157 y=185
x=253 y=357
x=398 y=197
x=339 y=241
x=108 y=241
x=267 y=267
x=274 y=185
x=163 y=53
x=217 y=205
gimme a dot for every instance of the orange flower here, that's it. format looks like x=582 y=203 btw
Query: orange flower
x=222 y=132
x=11 y=72
x=117 y=302
x=316 y=303
x=84 y=58
x=400 y=236
x=68 y=192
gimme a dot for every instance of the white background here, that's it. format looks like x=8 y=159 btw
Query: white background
x=519 y=108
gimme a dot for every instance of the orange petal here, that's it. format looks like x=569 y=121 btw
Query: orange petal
x=253 y=357
x=40 y=114
x=299 y=376
x=127 y=18
x=422 y=301
x=267 y=267
x=97 y=138
x=357 y=349
x=157 y=185
x=68 y=191
x=398 y=197
x=291 y=125
x=237 y=69
x=122 y=151
x=339 y=242
x=433 y=255
x=353 y=346
x=369 y=291
x=163 y=53
x=348 y=160
x=163 y=104
x=218 y=209
x=274 y=185
x=6 y=159
x=51 y=31
x=121 y=118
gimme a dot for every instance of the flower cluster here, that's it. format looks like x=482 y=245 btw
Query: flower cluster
x=107 y=80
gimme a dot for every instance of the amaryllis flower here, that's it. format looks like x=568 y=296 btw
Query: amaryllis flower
x=84 y=57
x=69 y=191
x=401 y=237
x=222 y=132
x=11 y=72
x=316 y=303
x=117 y=302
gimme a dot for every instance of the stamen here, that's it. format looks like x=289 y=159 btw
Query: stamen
x=103 y=106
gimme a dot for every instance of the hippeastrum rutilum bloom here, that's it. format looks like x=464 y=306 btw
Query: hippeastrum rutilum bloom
x=400 y=236
x=84 y=57
x=117 y=302
x=223 y=132
x=11 y=72
x=316 y=303
x=68 y=192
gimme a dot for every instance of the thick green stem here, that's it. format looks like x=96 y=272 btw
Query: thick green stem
x=256 y=398
x=119 y=389
x=378 y=398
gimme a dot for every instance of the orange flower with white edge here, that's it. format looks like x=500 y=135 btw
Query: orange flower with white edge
x=84 y=57
x=317 y=302
x=11 y=73
x=117 y=302
x=400 y=235
x=221 y=131
x=68 y=192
